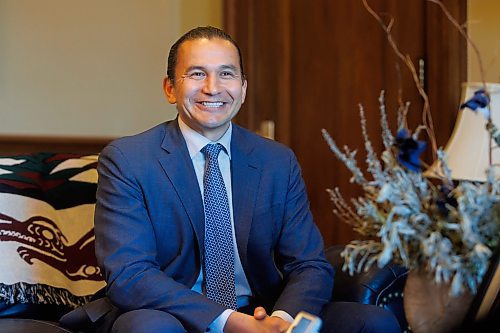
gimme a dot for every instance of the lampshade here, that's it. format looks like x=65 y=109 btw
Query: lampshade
x=468 y=149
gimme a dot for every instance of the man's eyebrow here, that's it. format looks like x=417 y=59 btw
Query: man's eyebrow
x=192 y=68
x=231 y=67
x=202 y=68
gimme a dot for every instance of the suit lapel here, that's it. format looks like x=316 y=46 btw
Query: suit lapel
x=179 y=170
x=245 y=173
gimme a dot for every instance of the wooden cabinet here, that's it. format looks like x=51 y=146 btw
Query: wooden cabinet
x=310 y=63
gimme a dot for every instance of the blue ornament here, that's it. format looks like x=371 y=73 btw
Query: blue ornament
x=478 y=103
x=409 y=150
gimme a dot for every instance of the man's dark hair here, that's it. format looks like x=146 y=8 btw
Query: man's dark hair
x=199 y=33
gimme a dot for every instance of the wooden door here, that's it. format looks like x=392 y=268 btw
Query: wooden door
x=310 y=63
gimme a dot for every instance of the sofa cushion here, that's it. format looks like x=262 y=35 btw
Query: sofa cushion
x=46 y=231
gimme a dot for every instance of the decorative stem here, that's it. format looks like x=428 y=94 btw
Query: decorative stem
x=482 y=74
x=426 y=114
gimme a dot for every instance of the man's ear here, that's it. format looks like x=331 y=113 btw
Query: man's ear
x=244 y=91
x=169 y=89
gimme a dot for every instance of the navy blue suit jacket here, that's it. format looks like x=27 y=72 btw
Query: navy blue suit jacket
x=149 y=226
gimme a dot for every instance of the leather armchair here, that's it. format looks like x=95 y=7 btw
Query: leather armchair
x=378 y=286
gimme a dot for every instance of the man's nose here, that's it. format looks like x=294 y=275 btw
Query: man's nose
x=212 y=85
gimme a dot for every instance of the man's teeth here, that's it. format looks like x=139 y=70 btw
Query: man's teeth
x=212 y=104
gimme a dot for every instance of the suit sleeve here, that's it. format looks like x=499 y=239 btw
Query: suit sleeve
x=126 y=250
x=308 y=276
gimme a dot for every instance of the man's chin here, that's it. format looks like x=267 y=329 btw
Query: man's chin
x=216 y=122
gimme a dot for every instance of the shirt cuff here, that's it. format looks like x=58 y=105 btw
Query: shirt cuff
x=217 y=326
x=283 y=315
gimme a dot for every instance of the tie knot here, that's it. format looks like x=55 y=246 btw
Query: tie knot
x=212 y=150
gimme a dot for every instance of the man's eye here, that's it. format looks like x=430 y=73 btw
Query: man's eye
x=197 y=75
x=227 y=75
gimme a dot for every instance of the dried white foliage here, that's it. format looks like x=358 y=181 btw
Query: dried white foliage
x=447 y=229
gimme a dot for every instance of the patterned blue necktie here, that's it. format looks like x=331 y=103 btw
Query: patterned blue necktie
x=219 y=250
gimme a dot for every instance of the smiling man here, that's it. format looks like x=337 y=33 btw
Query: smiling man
x=201 y=225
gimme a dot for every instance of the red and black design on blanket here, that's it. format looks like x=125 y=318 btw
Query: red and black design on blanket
x=48 y=177
x=44 y=241
x=46 y=229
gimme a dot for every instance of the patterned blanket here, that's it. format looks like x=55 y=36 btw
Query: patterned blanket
x=46 y=229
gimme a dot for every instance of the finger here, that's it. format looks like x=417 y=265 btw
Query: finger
x=259 y=313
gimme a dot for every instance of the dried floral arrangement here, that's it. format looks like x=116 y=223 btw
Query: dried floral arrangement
x=447 y=228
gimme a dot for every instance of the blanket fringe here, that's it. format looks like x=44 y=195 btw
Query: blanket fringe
x=22 y=292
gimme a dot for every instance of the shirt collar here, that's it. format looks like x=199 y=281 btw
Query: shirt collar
x=195 y=141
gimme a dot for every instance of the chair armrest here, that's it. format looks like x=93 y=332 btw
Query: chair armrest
x=382 y=287
x=18 y=325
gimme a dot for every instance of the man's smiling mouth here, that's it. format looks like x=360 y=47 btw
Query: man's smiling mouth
x=212 y=104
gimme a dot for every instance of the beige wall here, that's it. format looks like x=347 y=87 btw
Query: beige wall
x=89 y=67
x=484 y=30
x=200 y=12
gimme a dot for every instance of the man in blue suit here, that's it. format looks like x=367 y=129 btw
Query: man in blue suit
x=150 y=220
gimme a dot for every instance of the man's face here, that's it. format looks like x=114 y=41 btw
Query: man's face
x=209 y=88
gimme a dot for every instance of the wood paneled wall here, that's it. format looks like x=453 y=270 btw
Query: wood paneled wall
x=310 y=63
x=262 y=29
